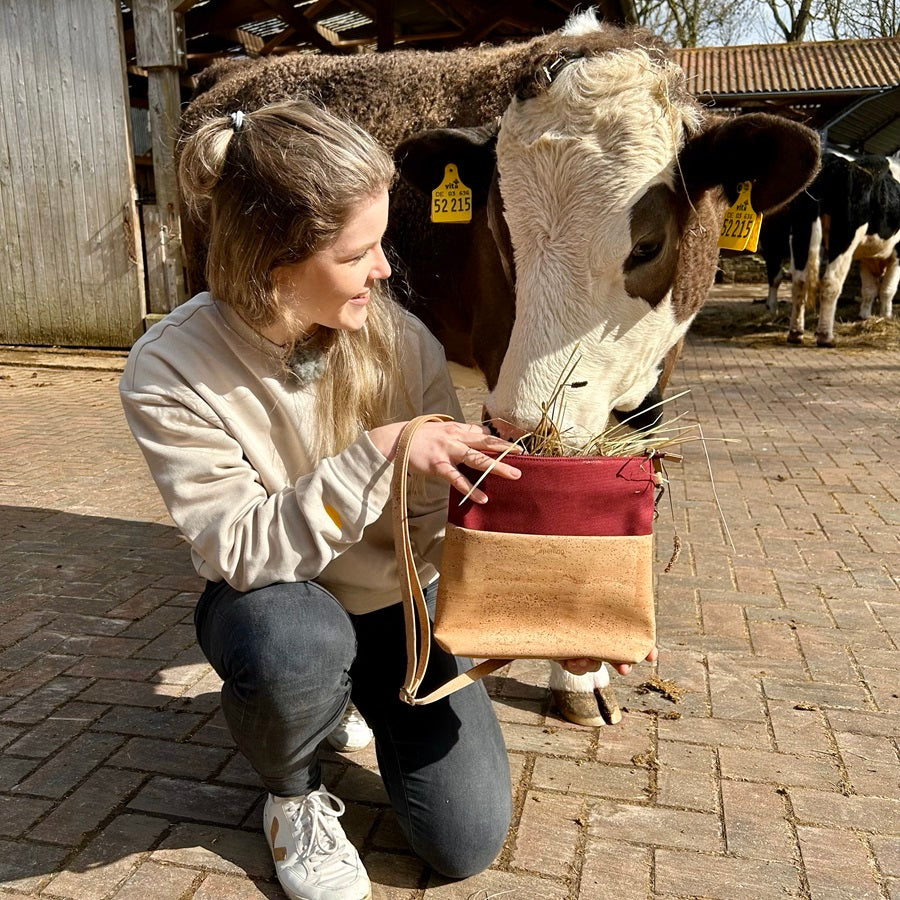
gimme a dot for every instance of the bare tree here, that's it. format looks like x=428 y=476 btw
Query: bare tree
x=798 y=20
x=792 y=18
x=873 y=18
x=693 y=23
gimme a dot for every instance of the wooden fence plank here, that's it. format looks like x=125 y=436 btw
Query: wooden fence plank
x=72 y=272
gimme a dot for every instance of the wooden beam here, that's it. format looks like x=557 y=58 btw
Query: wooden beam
x=314 y=9
x=158 y=51
x=305 y=29
x=384 y=23
x=483 y=25
x=252 y=43
x=155 y=34
x=464 y=8
x=449 y=13
x=221 y=15
x=277 y=40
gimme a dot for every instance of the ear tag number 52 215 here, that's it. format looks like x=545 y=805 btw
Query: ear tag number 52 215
x=451 y=200
x=740 y=228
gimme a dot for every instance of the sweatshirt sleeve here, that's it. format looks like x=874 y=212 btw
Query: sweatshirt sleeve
x=243 y=534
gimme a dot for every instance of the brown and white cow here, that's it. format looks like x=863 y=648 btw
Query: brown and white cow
x=599 y=186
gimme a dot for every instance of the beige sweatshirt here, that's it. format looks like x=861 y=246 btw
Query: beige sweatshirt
x=226 y=437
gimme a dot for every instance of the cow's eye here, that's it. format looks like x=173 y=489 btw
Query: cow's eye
x=645 y=251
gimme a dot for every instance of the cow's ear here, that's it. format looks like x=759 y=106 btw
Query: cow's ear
x=778 y=156
x=422 y=158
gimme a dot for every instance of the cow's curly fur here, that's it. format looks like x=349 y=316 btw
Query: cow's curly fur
x=396 y=94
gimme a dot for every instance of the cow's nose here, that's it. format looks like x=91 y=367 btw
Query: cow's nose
x=501 y=427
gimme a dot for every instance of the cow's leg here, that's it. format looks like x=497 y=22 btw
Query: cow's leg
x=890 y=280
x=805 y=244
x=584 y=699
x=774 y=284
x=798 y=306
x=870 y=279
x=829 y=291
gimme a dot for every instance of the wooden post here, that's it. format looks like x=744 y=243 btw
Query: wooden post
x=158 y=34
x=384 y=24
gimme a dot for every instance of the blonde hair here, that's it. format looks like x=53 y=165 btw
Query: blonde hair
x=273 y=187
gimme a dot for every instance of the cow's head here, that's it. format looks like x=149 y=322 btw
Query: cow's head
x=605 y=185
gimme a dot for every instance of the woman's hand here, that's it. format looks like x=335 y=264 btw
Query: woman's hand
x=583 y=665
x=439 y=447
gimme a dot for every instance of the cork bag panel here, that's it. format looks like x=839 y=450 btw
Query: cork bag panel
x=520 y=596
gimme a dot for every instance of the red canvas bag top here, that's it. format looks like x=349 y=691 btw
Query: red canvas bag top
x=583 y=495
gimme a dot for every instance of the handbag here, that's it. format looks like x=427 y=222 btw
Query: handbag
x=557 y=565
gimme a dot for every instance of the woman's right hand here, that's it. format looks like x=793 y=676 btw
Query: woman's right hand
x=437 y=448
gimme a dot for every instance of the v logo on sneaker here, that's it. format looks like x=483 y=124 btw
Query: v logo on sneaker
x=278 y=853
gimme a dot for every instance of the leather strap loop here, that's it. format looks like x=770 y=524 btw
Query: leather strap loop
x=415 y=611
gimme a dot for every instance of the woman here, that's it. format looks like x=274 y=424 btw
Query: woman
x=268 y=410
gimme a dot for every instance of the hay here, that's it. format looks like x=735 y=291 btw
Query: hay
x=748 y=323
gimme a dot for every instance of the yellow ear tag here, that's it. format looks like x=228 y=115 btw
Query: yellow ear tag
x=740 y=228
x=451 y=200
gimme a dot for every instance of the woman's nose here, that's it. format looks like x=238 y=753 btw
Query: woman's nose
x=381 y=268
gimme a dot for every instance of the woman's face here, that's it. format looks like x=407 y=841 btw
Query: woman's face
x=331 y=287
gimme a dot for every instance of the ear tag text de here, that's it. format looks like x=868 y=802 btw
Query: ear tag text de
x=740 y=228
x=451 y=200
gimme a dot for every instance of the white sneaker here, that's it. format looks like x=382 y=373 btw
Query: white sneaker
x=351 y=733
x=313 y=858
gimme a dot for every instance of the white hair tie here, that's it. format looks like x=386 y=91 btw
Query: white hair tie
x=237 y=119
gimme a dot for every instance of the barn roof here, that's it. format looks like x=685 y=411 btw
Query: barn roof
x=812 y=82
x=869 y=126
x=215 y=28
x=805 y=70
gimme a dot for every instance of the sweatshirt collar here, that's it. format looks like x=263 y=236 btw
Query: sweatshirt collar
x=247 y=333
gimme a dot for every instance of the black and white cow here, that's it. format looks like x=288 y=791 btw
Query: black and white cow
x=850 y=211
x=599 y=186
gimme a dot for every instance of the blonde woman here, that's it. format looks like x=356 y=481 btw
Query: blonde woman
x=268 y=411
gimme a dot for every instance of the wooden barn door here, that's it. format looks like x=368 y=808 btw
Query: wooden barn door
x=71 y=270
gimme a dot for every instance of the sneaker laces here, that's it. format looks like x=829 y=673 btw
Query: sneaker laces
x=314 y=822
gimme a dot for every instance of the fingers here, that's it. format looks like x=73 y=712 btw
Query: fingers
x=583 y=665
x=477 y=459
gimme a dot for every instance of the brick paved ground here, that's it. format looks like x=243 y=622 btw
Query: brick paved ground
x=774 y=776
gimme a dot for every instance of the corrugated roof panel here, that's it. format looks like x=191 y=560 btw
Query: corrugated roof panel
x=809 y=66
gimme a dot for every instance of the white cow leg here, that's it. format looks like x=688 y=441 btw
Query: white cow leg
x=869 y=280
x=829 y=291
x=889 y=283
x=798 y=307
x=772 y=299
x=584 y=699
x=827 y=305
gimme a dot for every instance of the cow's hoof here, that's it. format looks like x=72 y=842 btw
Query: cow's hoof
x=824 y=342
x=795 y=337
x=578 y=707
x=590 y=710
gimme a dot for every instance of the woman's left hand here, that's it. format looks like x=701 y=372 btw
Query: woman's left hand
x=583 y=664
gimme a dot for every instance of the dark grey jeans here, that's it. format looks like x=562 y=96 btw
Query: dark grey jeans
x=290 y=658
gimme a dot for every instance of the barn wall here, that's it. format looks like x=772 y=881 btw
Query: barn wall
x=70 y=258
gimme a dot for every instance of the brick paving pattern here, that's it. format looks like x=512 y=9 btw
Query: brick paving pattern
x=774 y=775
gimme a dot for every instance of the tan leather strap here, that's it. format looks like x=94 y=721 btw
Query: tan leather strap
x=415 y=611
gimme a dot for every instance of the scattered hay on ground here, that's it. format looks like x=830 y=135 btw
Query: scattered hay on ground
x=750 y=324
x=665 y=687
